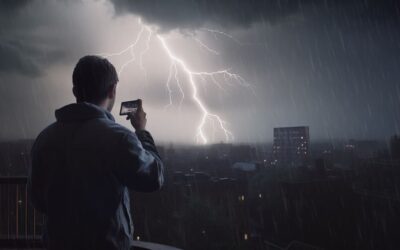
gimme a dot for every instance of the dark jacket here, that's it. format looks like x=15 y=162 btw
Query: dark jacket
x=82 y=167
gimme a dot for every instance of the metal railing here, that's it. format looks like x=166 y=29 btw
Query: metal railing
x=18 y=219
x=295 y=244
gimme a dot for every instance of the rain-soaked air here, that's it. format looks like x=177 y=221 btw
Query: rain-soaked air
x=203 y=124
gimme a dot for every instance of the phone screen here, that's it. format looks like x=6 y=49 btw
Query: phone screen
x=129 y=107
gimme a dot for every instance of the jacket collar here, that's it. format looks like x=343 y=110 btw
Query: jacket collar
x=82 y=111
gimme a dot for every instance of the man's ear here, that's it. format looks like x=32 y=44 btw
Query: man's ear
x=112 y=91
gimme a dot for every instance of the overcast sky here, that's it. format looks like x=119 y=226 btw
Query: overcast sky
x=330 y=65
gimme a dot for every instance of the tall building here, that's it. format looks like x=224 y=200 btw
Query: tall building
x=291 y=146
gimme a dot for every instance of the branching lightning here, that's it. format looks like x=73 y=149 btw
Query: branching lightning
x=218 y=32
x=203 y=45
x=177 y=67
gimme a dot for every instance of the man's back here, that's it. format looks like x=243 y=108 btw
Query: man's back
x=82 y=166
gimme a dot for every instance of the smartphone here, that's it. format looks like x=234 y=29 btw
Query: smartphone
x=129 y=107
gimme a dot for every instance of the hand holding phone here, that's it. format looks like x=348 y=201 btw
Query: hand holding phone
x=129 y=107
x=135 y=112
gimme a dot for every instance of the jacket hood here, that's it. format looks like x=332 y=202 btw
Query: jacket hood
x=81 y=111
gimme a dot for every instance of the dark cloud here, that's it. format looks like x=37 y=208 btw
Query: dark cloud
x=17 y=52
x=28 y=58
x=11 y=5
x=14 y=60
x=238 y=13
x=37 y=34
x=193 y=14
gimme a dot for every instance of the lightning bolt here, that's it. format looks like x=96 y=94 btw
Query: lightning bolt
x=178 y=65
x=202 y=44
x=218 y=32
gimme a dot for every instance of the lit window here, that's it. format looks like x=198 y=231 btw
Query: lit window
x=138 y=237
x=245 y=237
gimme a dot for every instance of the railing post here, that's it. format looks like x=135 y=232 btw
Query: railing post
x=26 y=211
x=16 y=211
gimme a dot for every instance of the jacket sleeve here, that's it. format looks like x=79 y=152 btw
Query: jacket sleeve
x=139 y=165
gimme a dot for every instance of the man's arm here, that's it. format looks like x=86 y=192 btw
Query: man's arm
x=147 y=141
x=140 y=168
x=139 y=165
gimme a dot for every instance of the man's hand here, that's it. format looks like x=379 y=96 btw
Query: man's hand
x=138 y=118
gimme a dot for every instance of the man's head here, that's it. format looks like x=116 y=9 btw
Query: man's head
x=95 y=80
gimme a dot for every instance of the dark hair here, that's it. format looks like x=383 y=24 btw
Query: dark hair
x=92 y=78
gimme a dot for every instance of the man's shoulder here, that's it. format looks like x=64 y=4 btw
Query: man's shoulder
x=93 y=133
x=112 y=131
x=47 y=131
x=44 y=136
x=115 y=128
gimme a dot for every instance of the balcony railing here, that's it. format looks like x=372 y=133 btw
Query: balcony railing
x=21 y=225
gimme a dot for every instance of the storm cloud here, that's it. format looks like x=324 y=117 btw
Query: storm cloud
x=31 y=39
x=331 y=65
x=183 y=14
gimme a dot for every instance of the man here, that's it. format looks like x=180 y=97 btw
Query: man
x=84 y=163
